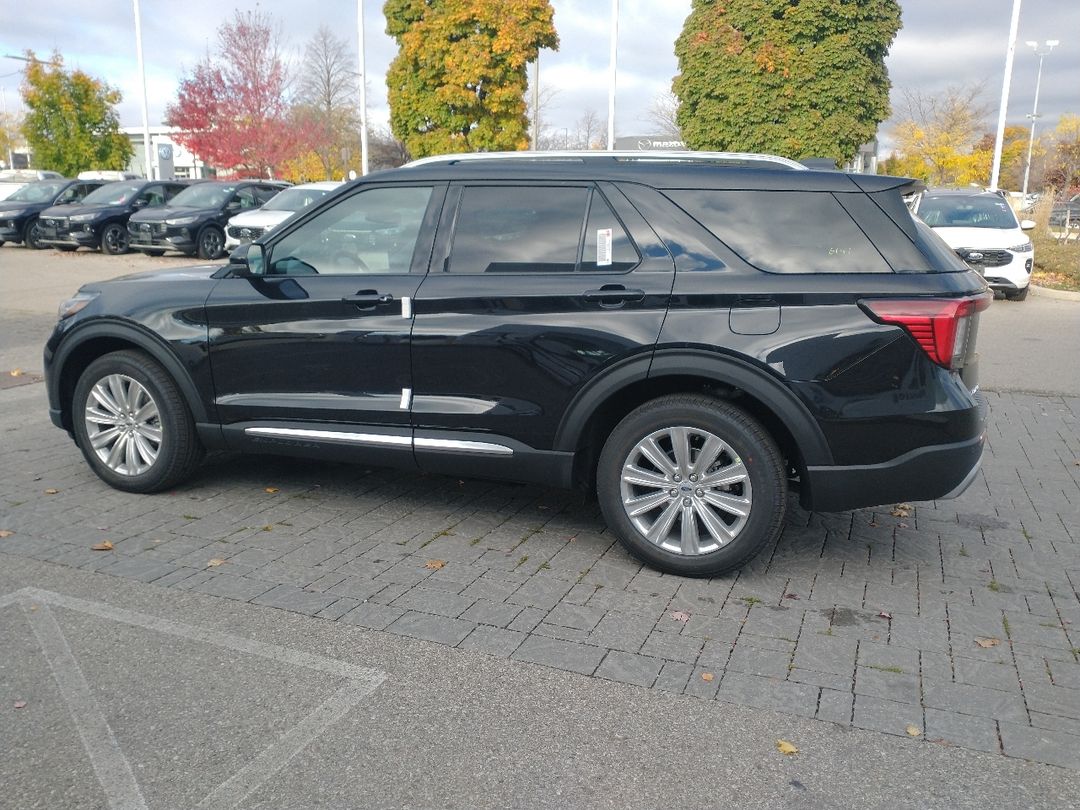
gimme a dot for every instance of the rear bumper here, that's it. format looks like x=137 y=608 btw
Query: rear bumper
x=925 y=474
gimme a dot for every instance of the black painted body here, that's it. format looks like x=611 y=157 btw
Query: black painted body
x=529 y=362
x=15 y=215
x=60 y=231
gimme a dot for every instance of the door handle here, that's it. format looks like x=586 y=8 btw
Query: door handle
x=369 y=299
x=613 y=295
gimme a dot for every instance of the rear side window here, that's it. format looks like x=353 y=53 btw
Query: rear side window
x=518 y=229
x=784 y=231
x=607 y=247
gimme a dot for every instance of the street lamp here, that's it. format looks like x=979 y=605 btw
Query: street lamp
x=1041 y=51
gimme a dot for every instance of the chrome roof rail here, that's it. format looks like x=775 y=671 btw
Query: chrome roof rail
x=596 y=155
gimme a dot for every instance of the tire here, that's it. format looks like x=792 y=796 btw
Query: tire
x=114 y=239
x=1017 y=295
x=164 y=450
x=211 y=243
x=719 y=539
x=32 y=235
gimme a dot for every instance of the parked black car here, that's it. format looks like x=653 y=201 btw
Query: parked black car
x=100 y=221
x=194 y=220
x=20 y=213
x=688 y=336
x=1066 y=214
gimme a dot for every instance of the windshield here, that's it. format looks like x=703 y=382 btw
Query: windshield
x=953 y=211
x=204 y=195
x=294 y=199
x=42 y=191
x=112 y=194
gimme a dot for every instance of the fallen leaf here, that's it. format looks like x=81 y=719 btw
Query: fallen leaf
x=791 y=596
x=913 y=731
x=786 y=748
x=16 y=372
x=214 y=563
x=435 y=565
x=885 y=615
x=680 y=616
x=51 y=491
x=20 y=704
x=5 y=533
x=104 y=545
x=901 y=525
x=271 y=490
x=901 y=510
x=707 y=677
x=987 y=643
x=872 y=524
x=268 y=528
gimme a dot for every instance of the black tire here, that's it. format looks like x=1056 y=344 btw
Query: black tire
x=1017 y=295
x=179 y=451
x=32 y=235
x=114 y=239
x=747 y=443
x=211 y=243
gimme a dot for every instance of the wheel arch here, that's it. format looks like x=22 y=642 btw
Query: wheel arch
x=95 y=340
x=596 y=410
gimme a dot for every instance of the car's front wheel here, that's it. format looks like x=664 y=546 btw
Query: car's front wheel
x=32 y=235
x=211 y=243
x=132 y=424
x=692 y=485
x=114 y=239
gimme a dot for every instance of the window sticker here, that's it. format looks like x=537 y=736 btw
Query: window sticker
x=603 y=247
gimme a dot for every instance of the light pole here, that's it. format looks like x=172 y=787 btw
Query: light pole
x=142 y=86
x=1041 y=52
x=1000 y=138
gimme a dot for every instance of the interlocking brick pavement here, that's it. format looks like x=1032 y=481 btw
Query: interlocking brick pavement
x=960 y=618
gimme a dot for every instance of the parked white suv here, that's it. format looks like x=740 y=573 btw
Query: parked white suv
x=983 y=230
x=250 y=225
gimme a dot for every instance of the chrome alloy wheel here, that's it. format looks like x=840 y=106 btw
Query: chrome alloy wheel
x=123 y=424
x=686 y=490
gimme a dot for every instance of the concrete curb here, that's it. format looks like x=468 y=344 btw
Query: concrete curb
x=1060 y=295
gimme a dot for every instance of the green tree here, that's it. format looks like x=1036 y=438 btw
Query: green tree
x=458 y=82
x=71 y=122
x=802 y=79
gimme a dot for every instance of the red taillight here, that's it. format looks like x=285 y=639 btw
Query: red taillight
x=938 y=325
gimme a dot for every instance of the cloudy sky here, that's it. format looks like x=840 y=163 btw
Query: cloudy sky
x=942 y=43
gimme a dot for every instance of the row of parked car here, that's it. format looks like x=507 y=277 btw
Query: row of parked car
x=203 y=218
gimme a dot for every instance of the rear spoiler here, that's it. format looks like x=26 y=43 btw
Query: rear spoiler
x=883 y=182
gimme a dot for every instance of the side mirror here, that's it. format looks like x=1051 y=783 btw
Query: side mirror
x=247 y=260
x=1027 y=224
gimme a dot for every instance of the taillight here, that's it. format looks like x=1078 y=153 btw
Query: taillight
x=939 y=325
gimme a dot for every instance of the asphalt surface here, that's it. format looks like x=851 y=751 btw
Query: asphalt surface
x=134 y=695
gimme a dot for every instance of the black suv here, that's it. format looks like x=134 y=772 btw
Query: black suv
x=194 y=221
x=101 y=219
x=20 y=214
x=689 y=336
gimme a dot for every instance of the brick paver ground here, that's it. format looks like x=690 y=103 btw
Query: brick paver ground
x=956 y=621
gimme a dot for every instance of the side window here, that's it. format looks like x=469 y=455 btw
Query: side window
x=172 y=191
x=70 y=194
x=265 y=193
x=784 y=231
x=518 y=229
x=607 y=247
x=246 y=198
x=373 y=231
x=154 y=195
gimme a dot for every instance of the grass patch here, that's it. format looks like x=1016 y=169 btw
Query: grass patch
x=893 y=670
x=751 y=600
x=1057 y=261
x=994 y=585
x=1005 y=627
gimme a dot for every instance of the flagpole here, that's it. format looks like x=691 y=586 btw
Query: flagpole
x=611 y=75
x=363 y=88
x=142 y=79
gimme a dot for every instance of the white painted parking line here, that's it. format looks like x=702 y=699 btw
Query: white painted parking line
x=110 y=765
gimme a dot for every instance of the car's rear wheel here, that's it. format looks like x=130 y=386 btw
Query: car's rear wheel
x=692 y=485
x=114 y=239
x=211 y=243
x=132 y=424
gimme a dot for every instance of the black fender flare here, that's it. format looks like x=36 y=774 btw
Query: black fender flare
x=720 y=368
x=140 y=338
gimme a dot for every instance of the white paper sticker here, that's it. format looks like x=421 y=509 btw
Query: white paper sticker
x=603 y=247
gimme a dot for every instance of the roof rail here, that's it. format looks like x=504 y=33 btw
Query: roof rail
x=596 y=155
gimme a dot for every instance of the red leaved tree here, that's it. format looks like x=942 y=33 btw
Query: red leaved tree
x=232 y=109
